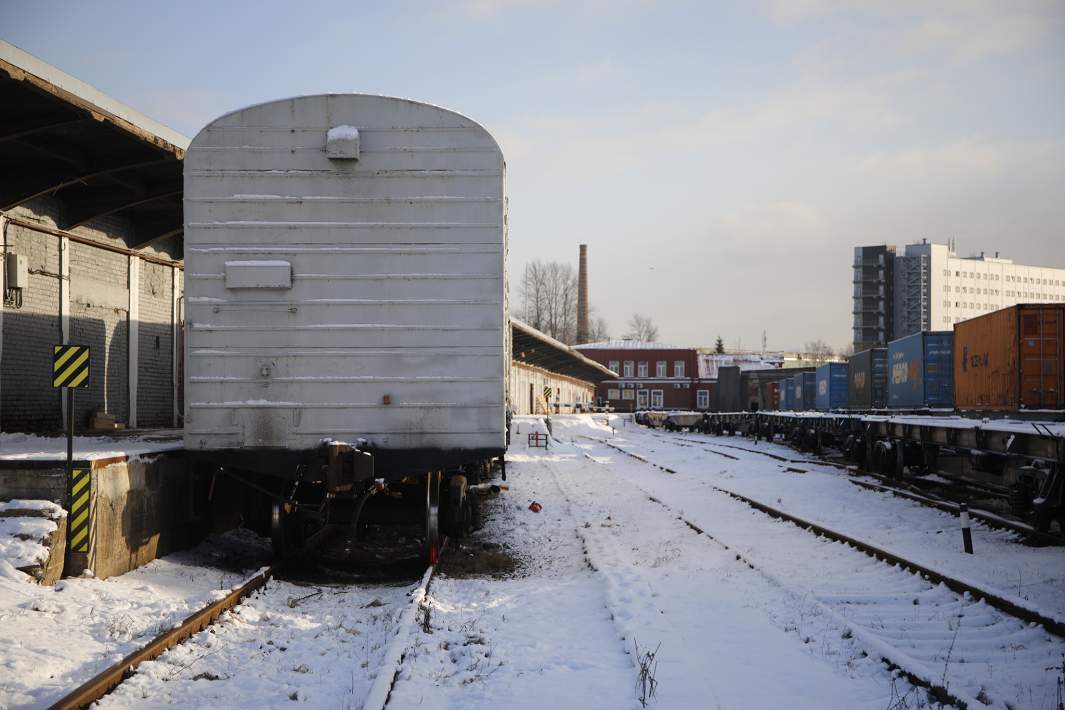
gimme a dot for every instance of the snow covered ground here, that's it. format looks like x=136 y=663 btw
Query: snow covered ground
x=30 y=447
x=25 y=527
x=52 y=639
x=623 y=558
x=1032 y=577
x=315 y=645
x=604 y=568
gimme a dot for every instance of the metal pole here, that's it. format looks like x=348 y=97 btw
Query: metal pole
x=966 y=534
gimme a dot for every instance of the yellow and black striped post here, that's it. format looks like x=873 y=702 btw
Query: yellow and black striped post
x=70 y=370
x=80 y=515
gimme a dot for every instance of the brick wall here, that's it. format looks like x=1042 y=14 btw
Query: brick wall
x=30 y=403
x=155 y=338
x=99 y=317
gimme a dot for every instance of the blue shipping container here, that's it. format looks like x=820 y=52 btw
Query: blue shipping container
x=921 y=371
x=831 y=386
x=787 y=394
x=805 y=391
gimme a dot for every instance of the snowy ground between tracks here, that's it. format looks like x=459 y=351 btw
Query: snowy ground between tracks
x=604 y=568
x=1033 y=577
x=52 y=639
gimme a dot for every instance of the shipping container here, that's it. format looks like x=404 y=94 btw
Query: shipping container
x=771 y=395
x=728 y=389
x=804 y=389
x=1011 y=359
x=759 y=390
x=921 y=371
x=867 y=379
x=787 y=389
x=831 y=386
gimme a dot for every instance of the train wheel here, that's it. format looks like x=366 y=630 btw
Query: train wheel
x=458 y=507
x=281 y=532
x=432 y=516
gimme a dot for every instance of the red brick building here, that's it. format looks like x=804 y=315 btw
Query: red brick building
x=650 y=376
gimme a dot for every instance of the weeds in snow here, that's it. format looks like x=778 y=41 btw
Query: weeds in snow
x=646 y=685
x=905 y=701
x=1061 y=682
x=946 y=665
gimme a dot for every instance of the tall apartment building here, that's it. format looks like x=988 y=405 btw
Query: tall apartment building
x=874 y=283
x=929 y=287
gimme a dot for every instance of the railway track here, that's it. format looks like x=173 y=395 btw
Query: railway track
x=895 y=607
x=109 y=679
x=886 y=484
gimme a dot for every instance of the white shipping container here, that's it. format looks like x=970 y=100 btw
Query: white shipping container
x=346 y=278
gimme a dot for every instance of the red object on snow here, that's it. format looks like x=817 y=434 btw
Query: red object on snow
x=535 y=507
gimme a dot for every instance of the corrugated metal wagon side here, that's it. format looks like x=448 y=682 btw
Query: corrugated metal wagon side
x=346 y=281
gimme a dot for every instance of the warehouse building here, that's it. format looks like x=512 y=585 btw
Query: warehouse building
x=929 y=287
x=548 y=376
x=91 y=247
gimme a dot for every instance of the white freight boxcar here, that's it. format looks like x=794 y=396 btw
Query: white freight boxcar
x=345 y=280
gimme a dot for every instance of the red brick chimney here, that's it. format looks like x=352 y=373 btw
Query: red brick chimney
x=582 y=296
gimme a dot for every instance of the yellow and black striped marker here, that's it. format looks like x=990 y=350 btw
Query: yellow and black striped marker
x=547 y=393
x=80 y=509
x=70 y=365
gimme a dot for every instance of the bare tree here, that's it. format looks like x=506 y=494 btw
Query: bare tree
x=598 y=330
x=642 y=328
x=549 y=299
x=847 y=350
x=819 y=351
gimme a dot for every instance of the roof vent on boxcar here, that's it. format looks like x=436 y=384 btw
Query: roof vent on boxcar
x=342 y=143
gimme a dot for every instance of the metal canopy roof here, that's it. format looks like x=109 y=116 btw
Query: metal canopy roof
x=61 y=137
x=532 y=347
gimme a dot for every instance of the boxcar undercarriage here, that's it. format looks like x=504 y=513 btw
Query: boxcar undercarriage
x=327 y=501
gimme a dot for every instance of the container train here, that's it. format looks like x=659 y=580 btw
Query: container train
x=346 y=332
x=1006 y=363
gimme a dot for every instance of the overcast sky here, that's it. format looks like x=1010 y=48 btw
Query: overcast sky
x=721 y=160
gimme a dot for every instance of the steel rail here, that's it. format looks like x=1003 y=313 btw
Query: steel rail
x=1052 y=625
x=939 y=691
x=104 y=682
x=385 y=680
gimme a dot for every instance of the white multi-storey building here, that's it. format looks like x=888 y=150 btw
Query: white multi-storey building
x=932 y=288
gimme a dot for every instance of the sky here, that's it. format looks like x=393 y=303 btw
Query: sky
x=721 y=160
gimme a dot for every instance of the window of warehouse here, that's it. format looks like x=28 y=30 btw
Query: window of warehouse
x=614 y=367
x=641 y=369
x=613 y=394
x=660 y=368
x=678 y=368
x=628 y=368
x=628 y=394
x=702 y=399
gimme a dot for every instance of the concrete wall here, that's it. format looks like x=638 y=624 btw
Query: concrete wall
x=82 y=291
x=141 y=509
